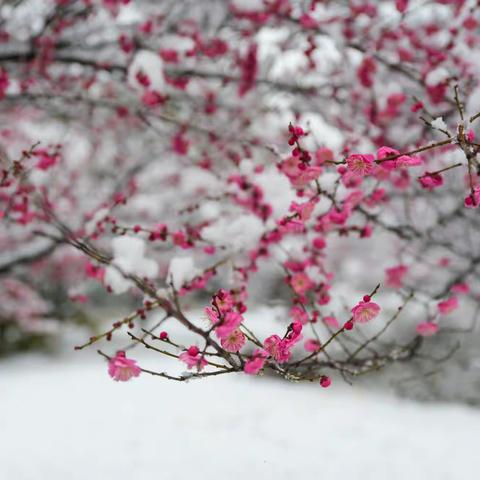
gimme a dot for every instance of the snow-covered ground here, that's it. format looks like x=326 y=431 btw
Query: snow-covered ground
x=64 y=418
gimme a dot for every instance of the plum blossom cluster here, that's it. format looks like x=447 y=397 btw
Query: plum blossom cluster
x=252 y=355
x=226 y=317
x=311 y=177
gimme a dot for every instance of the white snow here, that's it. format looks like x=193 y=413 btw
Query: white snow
x=439 y=123
x=436 y=76
x=99 y=215
x=198 y=180
x=65 y=418
x=128 y=256
x=277 y=190
x=249 y=5
x=116 y=281
x=239 y=233
x=150 y=64
x=181 y=270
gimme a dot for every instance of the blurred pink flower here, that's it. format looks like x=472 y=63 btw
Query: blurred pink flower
x=427 y=329
x=312 y=345
x=461 y=288
x=121 y=368
x=193 y=358
x=301 y=282
x=331 y=322
x=395 y=276
x=256 y=363
x=365 y=311
x=448 y=306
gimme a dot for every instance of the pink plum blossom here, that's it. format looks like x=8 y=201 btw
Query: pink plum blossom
x=427 y=329
x=299 y=314
x=301 y=283
x=193 y=358
x=304 y=210
x=430 y=181
x=212 y=315
x=312 y=345
x=472 y=200
x=448 y=306
x=330 y=321
x=256 y=363
x=325 y=381
x=234 y=341
x=461 y=288
x=273 y=345
x=121 y=368
x=365 y=311
x=385 y=152
x=361 y=165
x=323 y=155
x=408 y=161
x=277 y=348
x=230 y=322
x=224 y=301
x=395 y=276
